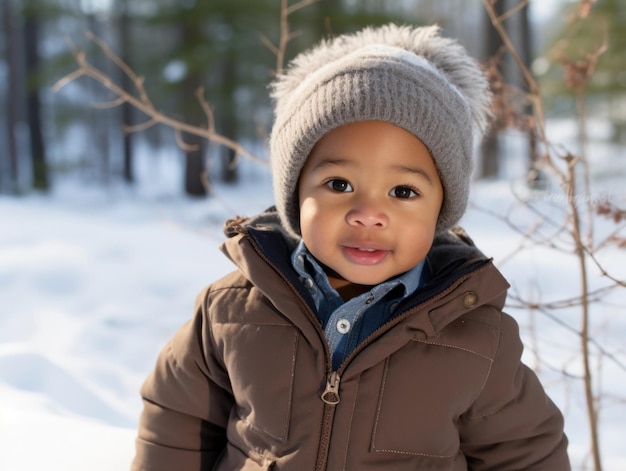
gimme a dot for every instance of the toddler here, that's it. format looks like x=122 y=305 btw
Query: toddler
x=361 y=329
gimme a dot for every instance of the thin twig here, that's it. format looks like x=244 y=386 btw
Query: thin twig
x=269 y=44
x=596 y=343
x=140 y=127
x=286 y=35
x=67 y=79
x=513 y=11
x=180 y=141
x=299 y=6
x=595 y=295
x=109 y=104
x=207 y=108
x=138 y=81
x=603 y=271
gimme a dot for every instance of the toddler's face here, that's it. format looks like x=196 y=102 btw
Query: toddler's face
x=369 y=199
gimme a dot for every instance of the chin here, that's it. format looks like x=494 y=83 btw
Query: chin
x=367 y=281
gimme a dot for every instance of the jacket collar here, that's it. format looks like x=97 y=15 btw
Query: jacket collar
x=461 y=277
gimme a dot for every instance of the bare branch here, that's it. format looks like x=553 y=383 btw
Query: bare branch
x=513 y=11
x=67 y=79
x=594 y=296
x=140 y=127
x=543 y=309
x=285 y=34
x=207 y=108
x=109 y=104
x=532 y=233
x=300 y=5
x=603 y=270
x=144 y=104
x=136 y=80
x=183 y=145
x=269 y=44
x=293 y=35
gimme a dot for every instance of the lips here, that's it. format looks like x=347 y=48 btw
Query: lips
x=365 y=255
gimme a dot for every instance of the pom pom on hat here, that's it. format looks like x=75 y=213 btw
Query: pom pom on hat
x=407 y=76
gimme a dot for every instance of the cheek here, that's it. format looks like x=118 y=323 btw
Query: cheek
x=420 y=231
x=309 y=215
x=317 y=222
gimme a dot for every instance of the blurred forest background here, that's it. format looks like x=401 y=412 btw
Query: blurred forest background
x=179 y=46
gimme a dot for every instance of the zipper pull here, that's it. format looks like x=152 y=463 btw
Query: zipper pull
x=331 y=393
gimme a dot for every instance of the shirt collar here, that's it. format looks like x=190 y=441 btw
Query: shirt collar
x=308 y=268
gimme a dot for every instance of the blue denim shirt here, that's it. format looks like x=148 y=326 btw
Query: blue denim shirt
x=344 y=323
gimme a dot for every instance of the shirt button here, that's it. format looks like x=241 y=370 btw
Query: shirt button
x=308 y=283
x=343 y=326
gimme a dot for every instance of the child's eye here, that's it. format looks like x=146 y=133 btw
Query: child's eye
x=339 y=185
x=404 y=192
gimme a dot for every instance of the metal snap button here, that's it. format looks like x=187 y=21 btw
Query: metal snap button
x=470 y=299
x=343 y=326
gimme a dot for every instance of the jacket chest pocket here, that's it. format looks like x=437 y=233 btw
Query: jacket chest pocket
x=260 y=359
x=424 y=390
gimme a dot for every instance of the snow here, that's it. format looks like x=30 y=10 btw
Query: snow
x=93 y=282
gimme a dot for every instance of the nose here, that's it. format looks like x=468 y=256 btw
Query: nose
x=367 y=214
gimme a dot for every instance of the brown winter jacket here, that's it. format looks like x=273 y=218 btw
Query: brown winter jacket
x=242 y=385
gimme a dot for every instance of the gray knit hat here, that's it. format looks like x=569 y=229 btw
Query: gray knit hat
x=410 y=77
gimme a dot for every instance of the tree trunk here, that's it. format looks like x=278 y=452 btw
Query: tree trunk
x=536 y=178
x=490 y=150
x=37 y=147
x=195 y=166
x=99 y=124
x=228 y=118
x=13 y=92
x=196 y=178
x=127 y=110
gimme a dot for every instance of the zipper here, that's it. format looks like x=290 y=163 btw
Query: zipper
x=327 y=425
x=330 y=396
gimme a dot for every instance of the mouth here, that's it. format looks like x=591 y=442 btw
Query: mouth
x=365 y=255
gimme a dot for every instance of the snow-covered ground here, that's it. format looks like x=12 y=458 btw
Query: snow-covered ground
x=94 y=281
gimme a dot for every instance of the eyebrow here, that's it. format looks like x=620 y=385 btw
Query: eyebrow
x=413 y=171
x=331 y=162
x=328 y=162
